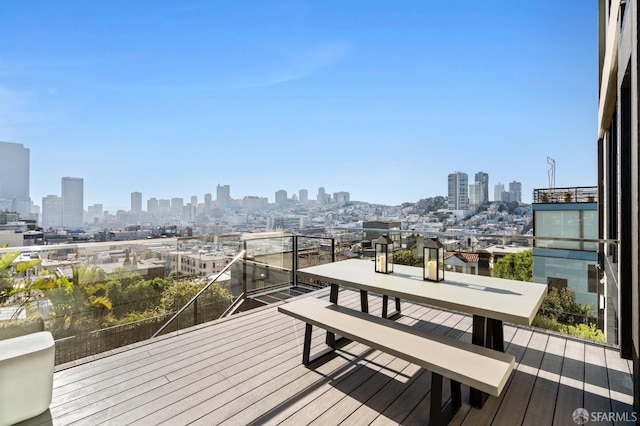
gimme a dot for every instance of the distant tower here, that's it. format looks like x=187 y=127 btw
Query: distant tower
x=458 y=186
x=281 y=197
x=498 y=192
x=303 y=196
x=14 y=178
x=152 y=205
x=515 y=191
x=194 y=200
x=223 y=196
x=322 y=196
x=207 y=202
x=136 y=202
x=482 y=179
x=72 y=202
x=51 y=212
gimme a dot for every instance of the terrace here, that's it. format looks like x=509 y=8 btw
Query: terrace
x=246 y=368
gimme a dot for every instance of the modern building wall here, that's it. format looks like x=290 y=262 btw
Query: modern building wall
x=618 y=168
x=281 y=197
x=14 y=177
x=72 y=202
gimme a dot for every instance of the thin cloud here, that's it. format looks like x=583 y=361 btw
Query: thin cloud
x=299 y=64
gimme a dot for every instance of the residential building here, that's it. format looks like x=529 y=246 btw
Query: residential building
x=322 y=197
x=207 y=203
x=72 y=202
x=341 y=197
x=619 y=169
x=475 y=194
x=373 y=229
x=482 y=179
x=458 y=191
x=14 y=178
x=570 y=264
x=136 y=202
x=176 y=206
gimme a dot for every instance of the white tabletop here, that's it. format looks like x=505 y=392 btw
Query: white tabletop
x=513 y=301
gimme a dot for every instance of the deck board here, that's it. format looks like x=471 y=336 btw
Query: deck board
x=247 y=370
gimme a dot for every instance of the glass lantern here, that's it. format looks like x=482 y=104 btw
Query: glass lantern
x=433 y=267
x=384 y=254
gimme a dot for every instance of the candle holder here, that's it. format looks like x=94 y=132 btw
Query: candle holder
x=384 y=254
x=433 y=266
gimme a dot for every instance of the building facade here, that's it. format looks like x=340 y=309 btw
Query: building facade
x=619 y=169
x=303 y=196
x=458 y=191
x=223 y=196
x=72 y=202
x=51 y=212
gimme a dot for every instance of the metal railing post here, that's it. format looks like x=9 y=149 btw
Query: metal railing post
x=244 y=271
x=294 y=262
x=333 y=249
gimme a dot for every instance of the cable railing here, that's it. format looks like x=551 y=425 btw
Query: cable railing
x=157 y=291
x=193 y=300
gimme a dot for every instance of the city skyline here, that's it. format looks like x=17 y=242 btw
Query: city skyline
x=171 y=100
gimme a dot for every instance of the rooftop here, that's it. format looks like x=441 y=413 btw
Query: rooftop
x=247 y=370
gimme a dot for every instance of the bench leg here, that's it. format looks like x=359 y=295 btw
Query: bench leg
x=385 y=307
x=489 y=333
x=442 y=415
x=306 y=347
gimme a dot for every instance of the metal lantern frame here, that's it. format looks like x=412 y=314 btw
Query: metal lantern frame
x=384 y=254
x=433 y=266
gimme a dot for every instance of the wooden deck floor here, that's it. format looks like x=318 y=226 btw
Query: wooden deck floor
x=247 y=370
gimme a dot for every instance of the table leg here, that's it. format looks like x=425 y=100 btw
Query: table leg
x=333 y=298
x=364 y=301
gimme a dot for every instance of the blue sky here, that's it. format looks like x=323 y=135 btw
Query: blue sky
x=381 y=99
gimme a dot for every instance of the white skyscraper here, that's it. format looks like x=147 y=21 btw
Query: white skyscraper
x=458 y=191
x=498 y=191
x=72 y=202
x=482 y=179
x=14 y=178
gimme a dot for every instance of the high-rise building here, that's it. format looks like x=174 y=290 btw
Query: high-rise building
x=303 y=196
x=498 y=192
x=341 y=197
x=152 y=206
x=482 y=179
x=14 y=177
x=72 y=202
x=281 y=197
x=136 y=202
x=223 y=196
x=51 y=212
x=194 y=200
x=176 y=206
x=458 y=191
x=475 y=194
x=322 y=197
x=207 y=203
x=515 y=192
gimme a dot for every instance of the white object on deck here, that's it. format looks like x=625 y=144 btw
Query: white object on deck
x=26 y=376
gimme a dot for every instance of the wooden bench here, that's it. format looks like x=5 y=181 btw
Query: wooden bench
x=460 y=362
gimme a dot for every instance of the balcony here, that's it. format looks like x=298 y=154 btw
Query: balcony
x=576 y=194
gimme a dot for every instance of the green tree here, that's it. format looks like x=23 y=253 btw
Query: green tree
x=216 y=299
x=406 y=257
x=80 y=303
x=129 y=293
x=560 y=306
x=515 y=266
